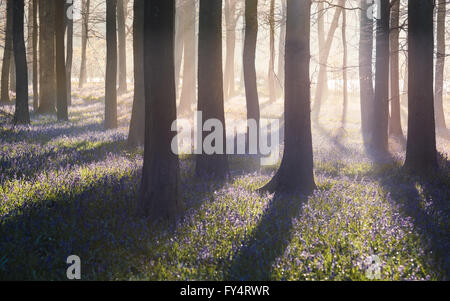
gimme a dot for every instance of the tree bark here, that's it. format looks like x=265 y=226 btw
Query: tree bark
x=440 y=66
x=61 y=82
x=395 y=123
x=7 y=54
x=35 y=57
x=296 y=171
x=122 y=47
x=188 y=90
x=281 y=46
x=421 y=154
x=210 y=84
x=160 y=197
x=22 y=114
x=47 y=77
x=84 y=38
x=380 y=121
x=136 y=135
x=231 y=21
x=111 y=66
x=69 y=56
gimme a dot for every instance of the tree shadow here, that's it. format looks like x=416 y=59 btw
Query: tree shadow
x=267 y=242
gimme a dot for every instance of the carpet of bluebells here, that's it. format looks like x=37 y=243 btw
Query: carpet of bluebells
x=71 y=188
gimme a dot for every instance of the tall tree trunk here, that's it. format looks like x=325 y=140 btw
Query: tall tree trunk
x=111 y=66
x=47 y=77
x=440 y=66
x=189 y=88
x=35 y=57
x=137 y=125
x=61 y=82
x=179 y=40
x=7 y=53
x=296 y=171
x=421 y=154
x=344 y=66
x=323 y=61
x=281 y=46
x=230 y=20
x=210 y=85
x=122 y=47
x=395 y=123
x=69 y=56
x=365 y=71
x=251 y=88
x=271 y=73
x=22 y=114
x=379 y=126
x=160 y=197
x=30 y=41
x=84 y=39
x=12 y=74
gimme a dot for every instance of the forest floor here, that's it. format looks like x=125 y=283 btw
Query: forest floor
x=70 y=189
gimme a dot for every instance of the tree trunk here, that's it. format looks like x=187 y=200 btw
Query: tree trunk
x=122 y=47
x=189 y=88
x=35 y=58
x=421 y=154
x=231 y=20
x=365 y=71
x=271 y=73
x=7 y=54
x=137 y=125
x=251 y=87
x=12 y=74
x=47 y=77
x=281 y=46
x=69 y=56
x=440 y=66
x=379 y=126
x=395 y=123
x=111 y=66
x=30 y=41
x=61 y=82
x=210 y=85
x=323 y=61
x=84 y=38
x=22 y=114
x=296 y=171
x=160 y=197
x=179 y=40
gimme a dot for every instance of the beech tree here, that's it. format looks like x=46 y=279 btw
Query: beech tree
x=111 y=66
x=61 y=82
x=7 y=54
x=160 y=196
x=421 y=154
x=296 y=170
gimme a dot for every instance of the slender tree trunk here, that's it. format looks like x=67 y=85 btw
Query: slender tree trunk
x=210 y=85
x=344 y=66
x=137 y=125
x=379 y=126
x=122 y=47
x=321 y=39
x=395 y=124
x=231 y=20
x=189 y=88
x=160 y=197
x=29 y=41
x=179 y=40
x=69 y=56
x=22 y=114
x=61 y=82
x=440 y=66
x=47 y=77
x=296 y=171
x=323 y=61
x=271 y=73
x=84 y=39
x=421 y=154
x=35 y=57
x=251 y=88
x=281 y=46
x=7 y=54
x=111 y=66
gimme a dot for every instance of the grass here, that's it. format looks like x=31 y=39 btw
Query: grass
x=71 y=188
